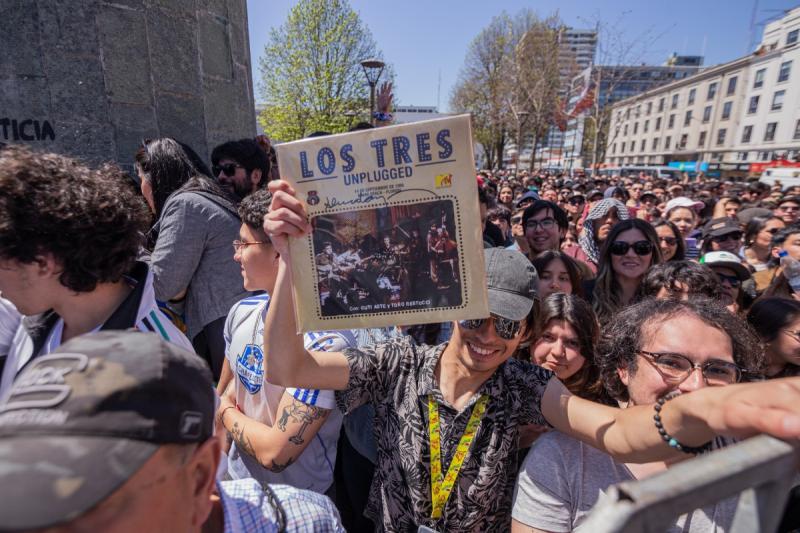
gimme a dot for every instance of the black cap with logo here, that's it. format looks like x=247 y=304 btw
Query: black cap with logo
x=79 y=422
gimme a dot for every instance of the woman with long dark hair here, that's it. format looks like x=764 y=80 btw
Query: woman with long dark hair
x=628 y=253
x=777 y=322
x=670 y=240
x=758 y=240
x=565 y=335
x=557 y=272
x=191 y=259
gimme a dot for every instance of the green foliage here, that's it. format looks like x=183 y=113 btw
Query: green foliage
x=311 y=73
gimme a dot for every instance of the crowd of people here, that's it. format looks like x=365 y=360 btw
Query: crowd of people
x=152 y=379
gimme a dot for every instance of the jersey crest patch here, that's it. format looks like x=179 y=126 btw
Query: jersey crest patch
x=250 y=368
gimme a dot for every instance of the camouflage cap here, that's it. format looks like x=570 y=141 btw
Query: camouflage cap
x=79 y=422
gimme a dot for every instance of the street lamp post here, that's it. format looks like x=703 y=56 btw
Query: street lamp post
x=373 y=68
x=521 y=116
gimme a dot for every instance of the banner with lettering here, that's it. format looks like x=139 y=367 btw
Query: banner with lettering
x=397 y=236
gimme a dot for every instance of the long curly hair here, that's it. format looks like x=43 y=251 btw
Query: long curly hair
x=90 y=220
x=607 y=290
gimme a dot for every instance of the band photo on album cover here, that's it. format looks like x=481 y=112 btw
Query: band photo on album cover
x=383 y=259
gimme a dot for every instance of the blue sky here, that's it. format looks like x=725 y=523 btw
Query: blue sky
x=423 y=39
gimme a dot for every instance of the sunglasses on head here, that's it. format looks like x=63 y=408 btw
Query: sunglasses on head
x=505 y=328
x=732 y=280
x=727 y=237
x=639 y=247
x=229 y=169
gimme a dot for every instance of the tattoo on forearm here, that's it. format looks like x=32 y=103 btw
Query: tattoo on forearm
x=304 y=414
x=241 y=440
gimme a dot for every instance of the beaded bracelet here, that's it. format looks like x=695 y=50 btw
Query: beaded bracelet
x=669 y=439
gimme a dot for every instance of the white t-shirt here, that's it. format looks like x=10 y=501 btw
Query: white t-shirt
x=562 y=479
x=259 y=399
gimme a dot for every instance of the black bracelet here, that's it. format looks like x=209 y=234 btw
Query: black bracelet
x=669 y=439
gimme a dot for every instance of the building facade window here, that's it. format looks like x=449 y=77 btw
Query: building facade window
x=658 y=124
x=792 y=37
x=622 y=148
x=667 y=142
x=769 y=133
x=635 y=128
x=742 y=156
x=726 y=110
x=747 y=132
x=712 y=90
x=646 y=126
x=692 y=94
x=674 y=101
x=613 y=148
x=707 y=113
x=661 y=105
x=731 y=86
x=625 y=130
x=796 y=136
x=655 y=142
x=701 y=141
x=758 y=81
x=683 y=142
x=752 y=107
x=721 y=136
x=783 y=73
x=777 y=100
x=633 y=146
x=643 y=146
x=649 y=107
x=687 y=119
x=671 y=122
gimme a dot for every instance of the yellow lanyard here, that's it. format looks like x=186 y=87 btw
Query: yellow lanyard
x=442 y=487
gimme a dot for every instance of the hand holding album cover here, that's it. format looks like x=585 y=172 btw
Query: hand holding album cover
x=397 y=236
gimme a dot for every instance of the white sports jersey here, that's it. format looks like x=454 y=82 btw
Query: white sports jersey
x=259 y=400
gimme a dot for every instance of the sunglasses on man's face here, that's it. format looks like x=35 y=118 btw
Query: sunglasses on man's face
x=639 y=247
x=733 y=281
x=229 y=169
x=727 y=237
x=505 y=328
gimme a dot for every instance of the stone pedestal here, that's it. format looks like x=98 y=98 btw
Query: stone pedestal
x=92 y=78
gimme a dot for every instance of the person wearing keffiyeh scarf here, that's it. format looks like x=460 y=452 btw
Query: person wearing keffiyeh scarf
x=589 y=239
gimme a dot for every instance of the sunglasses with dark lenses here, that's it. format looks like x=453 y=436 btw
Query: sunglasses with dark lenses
x=228 y=169
x=727 y=237
x=505 y=328
x=671 y=241
x=639 y=247
x=577 y=200
x=732 y=280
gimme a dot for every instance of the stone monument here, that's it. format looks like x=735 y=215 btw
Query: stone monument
x=93 y=78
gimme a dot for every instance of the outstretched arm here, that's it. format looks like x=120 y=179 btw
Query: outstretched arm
x=630 y=435
x=278 y=446
x=287 y=362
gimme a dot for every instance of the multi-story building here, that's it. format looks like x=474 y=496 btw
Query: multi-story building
x=730 y=117
x=410 y=113
x=612 y=84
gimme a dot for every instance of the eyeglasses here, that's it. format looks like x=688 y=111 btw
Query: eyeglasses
x=639 y=247
x=229 y=169
x=237 y=245
x=516 y=220
x=671 y=241
x=545 y=223
x=733 y=281
x=727 y=237
x=675 y=368
x=505 y=328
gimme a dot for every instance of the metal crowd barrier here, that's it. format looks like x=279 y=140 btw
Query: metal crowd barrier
x=761 y=470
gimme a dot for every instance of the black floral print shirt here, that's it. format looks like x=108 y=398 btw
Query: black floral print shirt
x=397 y=377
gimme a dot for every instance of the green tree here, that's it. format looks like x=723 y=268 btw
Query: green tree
x=310 y=70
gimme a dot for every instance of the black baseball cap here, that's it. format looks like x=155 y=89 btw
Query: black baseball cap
x=721 y=226
x=511 y=280
x=77 y=423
